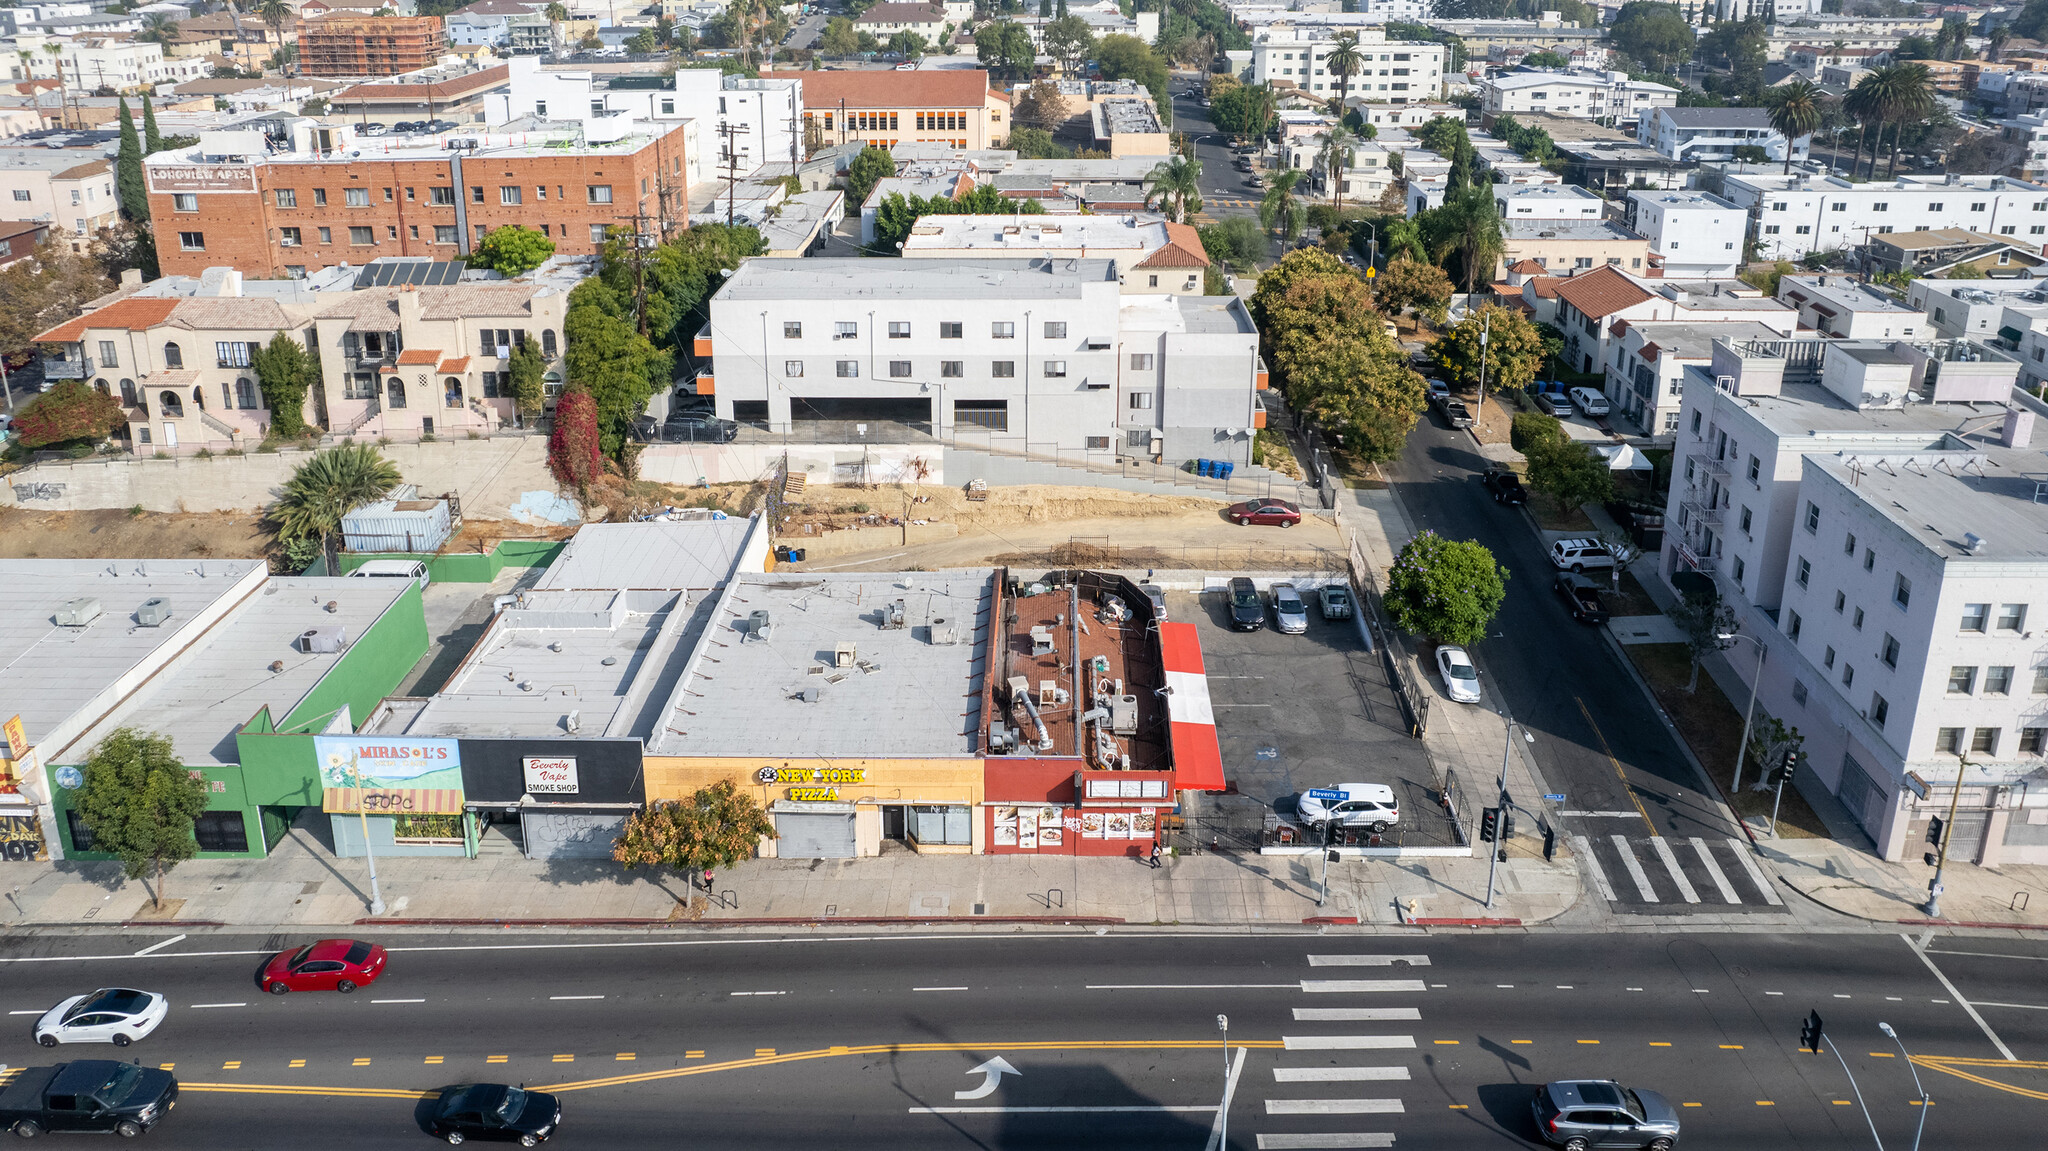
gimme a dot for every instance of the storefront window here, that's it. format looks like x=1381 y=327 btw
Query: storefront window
x=937 y=825
x=221 y=831
x=427 y=829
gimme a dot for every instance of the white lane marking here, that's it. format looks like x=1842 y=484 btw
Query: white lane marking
x=203 y=1006
x=1894 y=999
x=1367 y=960
x=1229 y=1093
x=1337 y=1074
x=132 y=955
x=1635 y=989
x=1334 y=1107
x=1341 y=986
x=36 y=1011
x=1961 y=1002
x=739 y=993
x=1756 y=874
x=1663 y=848
x=1635 y=870
x=1602 y=814
x=398 y=1001
x=1839 y=995
x=1714 y=869
x=557 y=997
x=938 y=989
x=1193 y=986
x=1504 y=985
x=1987 y=955
x=1600 y=884
x=1198 y=1109
x=155 y=947
x=1355 y=1014
x=1774 y=993
x=2017 y=1006
x=1346 y=1042
x=1322 y=1142
x=1564 y=987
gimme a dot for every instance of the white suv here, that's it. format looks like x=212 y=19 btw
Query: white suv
x=1578 y=555
x=1368 y=806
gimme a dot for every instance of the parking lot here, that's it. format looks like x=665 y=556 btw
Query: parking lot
x=1300 y=711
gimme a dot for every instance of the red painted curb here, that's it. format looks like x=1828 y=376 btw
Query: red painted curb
x=1463 y=922
x=171 y=923
x=792 y=921
x=1974 y=923
x=1351 y=920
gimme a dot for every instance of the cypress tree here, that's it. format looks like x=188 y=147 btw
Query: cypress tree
x=152 y=140
x=128 y=171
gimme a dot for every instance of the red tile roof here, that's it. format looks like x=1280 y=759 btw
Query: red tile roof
x=1183 y=249
x=1527 y=267
x=1602 y=292
x=458 y=364
x=420 y=356
x=1545 y=287
x=132 y=314
x=944 y=88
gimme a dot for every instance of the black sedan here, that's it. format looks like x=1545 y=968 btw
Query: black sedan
x=698 y=428
x=495 y=1111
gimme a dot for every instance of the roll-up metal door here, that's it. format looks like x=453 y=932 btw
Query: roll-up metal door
x=814 y=835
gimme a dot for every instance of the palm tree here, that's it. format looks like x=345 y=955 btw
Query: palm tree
x=1911 y=101
x=1954 y=32
x=56 y=52
x=1479 y=242
x=28 y=65
x=329 y=486
x=1865 y=104
x=1339 y=151
x=1280 y=211
x=157 y=28
x=1344 y=62
x=1176 y=185
x=1795 y=112
x=2000 y=37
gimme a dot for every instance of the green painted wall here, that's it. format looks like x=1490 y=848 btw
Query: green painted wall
x=470 y=567
x=372 y=667
x=225 y=792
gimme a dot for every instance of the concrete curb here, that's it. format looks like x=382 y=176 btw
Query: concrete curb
x=791 y=921
x=1464 y=922
x=1979 y=924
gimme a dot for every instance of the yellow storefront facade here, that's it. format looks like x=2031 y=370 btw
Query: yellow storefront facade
x=840 y=807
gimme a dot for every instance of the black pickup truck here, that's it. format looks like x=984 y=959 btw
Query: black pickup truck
x=90 y=1096
x=1505 y=485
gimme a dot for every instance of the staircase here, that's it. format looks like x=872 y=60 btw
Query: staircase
x=214 y=424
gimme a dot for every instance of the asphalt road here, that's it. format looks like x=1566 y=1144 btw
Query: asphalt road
x=1224 y=191
x=861 y=1042
x=1599 y=741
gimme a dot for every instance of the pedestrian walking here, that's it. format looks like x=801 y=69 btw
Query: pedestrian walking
x=710 y=879
x=1155 y=855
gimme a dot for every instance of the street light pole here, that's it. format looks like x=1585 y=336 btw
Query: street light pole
x=1507 y=746
x=376 y=896
x=1948 y=832
x=1485 y=334
x=1223 y=1108
x=1924 y=1101
x=1748 y=712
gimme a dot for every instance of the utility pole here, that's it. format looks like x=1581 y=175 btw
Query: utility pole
x=639 y=266
x=1941 y=835
x=731 y=156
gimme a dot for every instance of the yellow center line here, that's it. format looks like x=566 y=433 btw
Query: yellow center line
x=1460 y=1106
x=1589 y=1042
x=1692 y=1105
x=1618 y=773
x=298 y=1063
x=1952 y=1064
x=1655 y=1043
x=1766 y=1103
x=1731 y=1047
x=1446 y=1043
x=1521 y=1041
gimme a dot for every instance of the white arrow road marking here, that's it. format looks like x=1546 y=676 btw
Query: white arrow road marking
x=995 y=1069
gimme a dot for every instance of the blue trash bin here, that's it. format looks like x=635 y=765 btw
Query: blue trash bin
x=1227 y=466
x=1202 y=468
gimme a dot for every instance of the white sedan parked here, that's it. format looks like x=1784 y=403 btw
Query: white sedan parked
x=1461 y=679
x=116 y=1015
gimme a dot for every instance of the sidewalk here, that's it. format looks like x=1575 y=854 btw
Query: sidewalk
x=301 y=885
x=1855 y=882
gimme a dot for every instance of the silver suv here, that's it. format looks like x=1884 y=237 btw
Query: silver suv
x=1578 y=1114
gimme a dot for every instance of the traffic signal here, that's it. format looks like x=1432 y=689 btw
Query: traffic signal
x=1783 y=772
x=1489 y=824
x=1934 y=827
x=1809 y=1032
x=1507 y=824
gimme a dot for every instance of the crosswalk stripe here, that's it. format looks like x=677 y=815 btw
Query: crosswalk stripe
x=1337 y=1074
x=1326 y=1141
x=1334 y=1107
x=1714 y=869
x=1367 y=960
x=1635 y=869
x=1346 y=1042
x=1338 y=986
x=1585 y=849
x=1662 y=846
x=1355 y=1014
x=1756 y=874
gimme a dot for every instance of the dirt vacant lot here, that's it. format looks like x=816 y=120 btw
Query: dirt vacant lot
x=110 y=533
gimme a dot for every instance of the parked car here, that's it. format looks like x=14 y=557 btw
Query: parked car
x=1436 y=391
x=329 y=965
x=405 y=127
x=1368 y=806
x=1290 y=615
x=1456 y=413
x=698 y=428
x=495 y=1111
x=96 y=1096
x=1156 y=597
x=1272 y=512
x=1247 y=610
x=1577 y=555
x=1581 y=1113
x=116 y=1015
x=1589 y=401
x=1582 y=596
x=439 y=126
x=1461 y=679
x=373 y=130
x=394 y=569
x=1336 y=601
x=1556 y=403
x=1506 y=486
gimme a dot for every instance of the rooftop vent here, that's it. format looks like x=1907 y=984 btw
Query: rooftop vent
x=78 y=612
x=573 y=722
x=333 y=606
x=1975 y=543
x=153 y=612
x=842 y=653
x=943 y=633
x=276 y=665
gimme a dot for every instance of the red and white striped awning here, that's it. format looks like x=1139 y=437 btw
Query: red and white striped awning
x=1191 y=720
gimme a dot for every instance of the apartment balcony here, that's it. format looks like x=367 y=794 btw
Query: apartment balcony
x=76 y=369
x=1697 y=511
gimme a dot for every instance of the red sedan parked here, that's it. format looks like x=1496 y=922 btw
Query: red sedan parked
x=1266 y=511
x=329 y=965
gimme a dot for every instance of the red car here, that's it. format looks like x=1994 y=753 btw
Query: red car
x=1266 y=511
x=329 y=965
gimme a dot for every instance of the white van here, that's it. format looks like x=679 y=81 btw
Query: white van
x=394 y=569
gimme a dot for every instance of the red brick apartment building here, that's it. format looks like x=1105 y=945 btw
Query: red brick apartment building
x=273 y=216
x=349 y=46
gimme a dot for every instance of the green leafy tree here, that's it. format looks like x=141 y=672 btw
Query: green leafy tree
x=68 y=414
x=285 y=371
x=128 y=185
x=1175 y=186
x=1545 y=59
x=1246 y=110
x=870 y=167
x=839 y=39
x=1657 y=35
x=1332 y=356
x=1036 y=144
x=1514 y=349
x=608 y=357
x=139 y=802
x=152 y=140
x=1280 y=210
x=1006 y=50
x=1235 y=241
x=529 y=376
x=1570 y=472
x=512 y=250
x=898 y=213
x=1405 y=284
x=1447 y=590
x=717 y=827
x=1068 y=40
x=1120 y=57
x=327 y=487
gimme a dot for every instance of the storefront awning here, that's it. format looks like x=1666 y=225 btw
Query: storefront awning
x=1191 y=720
x=391 y=801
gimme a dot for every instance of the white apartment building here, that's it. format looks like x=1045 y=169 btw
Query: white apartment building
x=1711 y=135
x=1847 y=308
x=71 y=190
x=1610 y=97
x=90 y=62
x=1803 y=213
x=1592 y=305
x=1646 y=366
x=1052 y=355
x=2031 y=134
x=1153 y=255
x=1885 y=554
x=1693 y=235
x=1546 y=202
x=1972 y=308
x=1389 y=72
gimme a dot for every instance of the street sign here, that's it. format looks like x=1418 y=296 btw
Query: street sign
x=1917 y=783
x=1326 y=795
x=1557 y=798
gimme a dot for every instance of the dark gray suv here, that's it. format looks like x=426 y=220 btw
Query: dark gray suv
x=1578 y=1114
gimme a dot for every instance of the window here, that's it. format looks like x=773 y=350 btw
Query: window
x=898 y=330
x=1889 y=653
x=21 y=194
x=952 y=369
x=848 y=369
x=192 y=241
x=441 y=197
x=1998 y=680
x=899 y=369
x=2012 y=617
x=1879 y=709
x=287 y=198
x=356 y=197
x=510 y=194
x=1755 y=468
x=182 y=202
x=1141 y=401
x=600 y=193
x=1812 y=519
x=792 y=329
x=1869 y=559
x=327 y=235
x=846 y=330
x=1740 y=568
x=1984 y=741
x=231 y=353
x=174 y=357
x=793 y=368
x=288 y=237
x=1805 y=572
x=1793 y=625
x=1857 y=620
x=1827 y=658
x=1840 y=601
x=1962 y=680
x=1745 y=521
x=1902 y=590
x=540 y=191
x=1002 y=331
x=445 y=234
x=1055 y=330
x=1949 y=740
x=1799 y=693
x=319 y=197
x=1848 y=674
x=1975 y=616
x=1849 y=547
x=1055 y=369
x=1141 y=361
x=597 y=233
x=951 y=330
x=1003 y=369
x=361 y=236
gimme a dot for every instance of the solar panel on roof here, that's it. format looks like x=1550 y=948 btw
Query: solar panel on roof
x=388 y=273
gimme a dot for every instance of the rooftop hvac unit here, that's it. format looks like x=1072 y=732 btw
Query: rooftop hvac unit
x=1002 y=739
x=1123 y=714
x=153 y=612
x=323 y=640
x=78 y=612
x=842 y=654
x=894 y=614
x=942 y=632
x=757 y=625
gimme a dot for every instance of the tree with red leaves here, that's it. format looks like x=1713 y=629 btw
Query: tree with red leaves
x=573 y=449
x=69 y=412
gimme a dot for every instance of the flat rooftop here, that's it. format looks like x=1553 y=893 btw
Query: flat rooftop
x=1201 y=315
x=903 y=691
x=1565 y=230
x=1696 y=341
x=650 y=555
x=951 y=279
x=1845 y=291
x=208 y=692
x=1986 y=491
x=1804 y=409
x=1119 y=232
